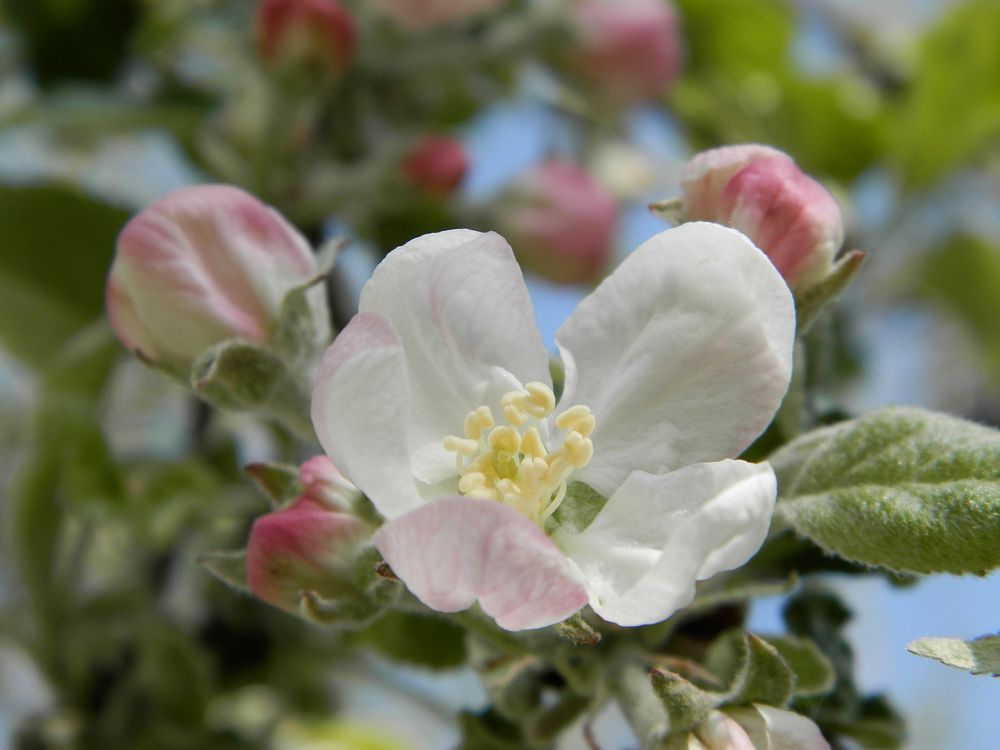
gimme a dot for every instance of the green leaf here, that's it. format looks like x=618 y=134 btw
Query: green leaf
x=979 y=656
x=228 y=567
x=901 y=488
x=963 y=276
x=489 y=731
x=814 y=674
x=811 y=302
x=58 y=245
x=280 y=482
x=422 y=640
x=952 y=112
x=753 y=670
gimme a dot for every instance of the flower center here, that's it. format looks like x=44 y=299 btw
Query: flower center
x=509 y=463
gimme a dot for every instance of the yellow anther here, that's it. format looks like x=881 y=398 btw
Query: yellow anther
x=464 y=447
x=541 y=400
x=579 y=450
x=531 y=443
x=575 y=418
x=504 y=439
x=483 y=493
x=477 y=421
x=471 y=481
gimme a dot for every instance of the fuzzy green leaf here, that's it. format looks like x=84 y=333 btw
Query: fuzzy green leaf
x=753 y=670
x=901 y=488
x=814 y=674
x=979 y=656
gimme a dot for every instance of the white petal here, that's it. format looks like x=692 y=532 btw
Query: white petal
x=458 y=303
x=658 y=534
x=454 y=551
x=683 y=353
x=774 y=729
x=360 y=412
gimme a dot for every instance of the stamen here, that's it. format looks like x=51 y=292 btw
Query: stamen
x=466 y=447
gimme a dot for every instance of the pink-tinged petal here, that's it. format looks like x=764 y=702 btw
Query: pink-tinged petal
x=721 y=732
x=201 y=265
x=464 y=320
x=774 y=729
x=705 y=177
x=324 y=484
x=302 y=547
x=659 y=534
x=788 y=215
x=360 y=410
x=454 y=551
x=683 y=353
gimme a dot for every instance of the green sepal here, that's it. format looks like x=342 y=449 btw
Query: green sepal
x=349 y=611
x=280 y=482
x=668 y=209
x=752 y=669
x=228 y=567
x=978 y=656
x=814 y=674
x=811 y=301
x=687 y=706
x=578 y=630
x=904 y=489
x=301 y=333
x=237 y=375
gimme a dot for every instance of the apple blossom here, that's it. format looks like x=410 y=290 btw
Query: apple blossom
x=436 y=401
x=293 y=33
x=202 y=265
x=760 y=727
x=561 y=220
x=418 y=15
x=436 y=164
x=630 y=48
x=762 y=193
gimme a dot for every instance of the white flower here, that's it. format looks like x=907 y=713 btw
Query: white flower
x=436 y=402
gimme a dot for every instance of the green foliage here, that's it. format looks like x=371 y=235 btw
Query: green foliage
x=964 y=277
x=979 y=656
x=814 y=674
x=905 y=489
x=952 y=111
x=58 y=245
x=421 y=640
x=753 y=669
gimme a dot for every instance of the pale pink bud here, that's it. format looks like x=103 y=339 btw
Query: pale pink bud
x=437 y=165
x=560 y=221
x=418 y=15
x=199 y=266
x=319 y=34
x=763 y=194
x=326 y=485
x=630 y=48
x=304 y=547
x=769 y=727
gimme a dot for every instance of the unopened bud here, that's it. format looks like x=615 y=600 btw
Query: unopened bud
x=305 y=547
x=436 y=165
x=629 y=48
x=309 y=35
x=763 y=194
x=202 y=265
x=560 y=221
x=419 y=15
x=326 y=485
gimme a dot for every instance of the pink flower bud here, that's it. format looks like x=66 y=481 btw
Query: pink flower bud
x=304 y=547
x=560 y=221
x=762 y=193
x=418 y=15
x=630 y=48
x=326 y=485
x=437 y=165
x=318 y=34
x=199 y=266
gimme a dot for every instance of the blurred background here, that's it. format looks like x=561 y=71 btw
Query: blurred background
x=380 y=121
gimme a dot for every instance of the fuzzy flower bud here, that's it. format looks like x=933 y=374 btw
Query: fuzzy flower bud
x=306 y=34
x=326 y=485
x=304 y=547
x=560 y=221
x=436 y=165
x=762 y=193
x=419 y=15
x=630 y=48
x=202 y=265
